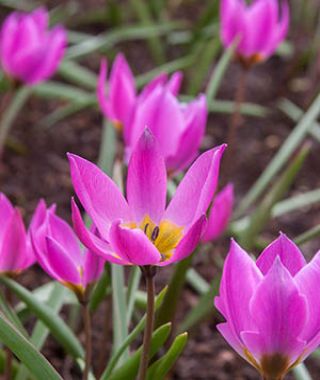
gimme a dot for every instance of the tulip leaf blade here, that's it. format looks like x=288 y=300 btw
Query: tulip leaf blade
x=26 y=352
x=161 y=367
x=58 y=328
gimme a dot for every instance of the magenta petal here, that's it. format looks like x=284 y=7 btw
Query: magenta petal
x=239 y=280
x=290 y=255
x=174 y=83
x=220 y=214
x=90 y=240
x=228 y=333
x=154 y=83
x=195 y=192
x=308 y=280
x=188 y=243
x=62 y=264
x=279 y=312
x=147 y=180
x=93 y=268
x=133 y=245
x=14 y=248
x=98 y=194
x=6 y=211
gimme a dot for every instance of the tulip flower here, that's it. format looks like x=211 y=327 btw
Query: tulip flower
x=16 y=254
x=140 y=230
x=29 y=51
x=220 y=214
x=58 y=252
x=178 y=127
x=260 y=26
x=271 y=306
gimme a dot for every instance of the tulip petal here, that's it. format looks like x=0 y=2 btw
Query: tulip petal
x=174 y=83
x=90 y=240
x=227 y=332
x=98 y=194
x=93 y=268
x=188 y=243
x=308 y=280
x=237 y=290
x=6 y=211
x=133 y=245
x=195 y=192
x=147 y=180
x=290 y=255
x=279 y=312
x=62 y=264
x=220 y=214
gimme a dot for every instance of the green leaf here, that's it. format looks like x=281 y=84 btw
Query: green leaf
x=51 y=89
x=203 y=308
x=130 y=368
x=312 y=233
x=292 y=142
x=26 y=352
x=133 y=285
x=130 y=338
x=161 y=367
x=101 y=289
x=198 y=283
x=79 y=75
x=108 y=147
x=262 y=214
x=301 y=372
x=218 y=73
x=40 y=331
x=55 y=324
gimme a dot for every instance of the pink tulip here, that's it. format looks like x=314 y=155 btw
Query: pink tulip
x=141 y=230
x=220 y=214
x=271 y=307
x=178 y=127
x=259 y=27
x=29 y=51
x=16 y=253
x=58 y=251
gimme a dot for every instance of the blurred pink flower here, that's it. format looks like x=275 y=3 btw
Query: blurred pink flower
x=261 y=26
x=142 y=230
x=271 y=307
x=16 y=253
x=29 y=51
x=178 y=127
x=58 y=251
x=220 y=214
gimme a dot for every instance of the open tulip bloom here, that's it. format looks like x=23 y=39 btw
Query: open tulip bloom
x=271 y=306
x=258 y=25
x=16 y=253
x=58 y=251
x=29 y=51
x=178 y=127
x=141 y=230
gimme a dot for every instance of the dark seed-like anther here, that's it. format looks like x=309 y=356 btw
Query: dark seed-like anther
x=155 y=233
x=146 y=228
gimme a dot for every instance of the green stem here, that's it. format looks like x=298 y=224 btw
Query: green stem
x=9 y=356
x=11 y=105
x=88 y=339
x=149 y=273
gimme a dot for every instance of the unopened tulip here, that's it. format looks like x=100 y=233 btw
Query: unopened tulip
x=271 y=306
x=220 y=214
x=16 y=253
x=260 y=27
x=141 y=230
x=30 y=52
x=58 y=251
x=178 y=127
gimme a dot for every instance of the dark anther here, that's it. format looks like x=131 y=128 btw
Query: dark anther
x=146 y=228
x=155 y=233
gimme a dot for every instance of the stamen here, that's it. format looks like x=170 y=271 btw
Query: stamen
x=146 y=228
x=155 y=233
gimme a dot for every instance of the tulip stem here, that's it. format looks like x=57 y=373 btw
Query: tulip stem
x=149 y=273
x=88 y=339
x=234 y=124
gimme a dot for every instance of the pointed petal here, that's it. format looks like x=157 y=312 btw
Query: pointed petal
x=195 y=192
x=98 y=194
x=174 y=83
x=228 y=333
x=90 y=240
x=147 y=180
x=220 y=214
x=188 y=243
x=93 y=268
x=290 y=255
x=279 y=312
x=133 y=245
